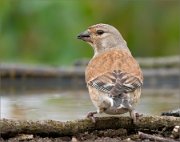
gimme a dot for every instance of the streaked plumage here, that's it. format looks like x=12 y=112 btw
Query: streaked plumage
x=113 y=76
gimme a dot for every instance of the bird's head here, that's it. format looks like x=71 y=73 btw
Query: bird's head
x=102 y=37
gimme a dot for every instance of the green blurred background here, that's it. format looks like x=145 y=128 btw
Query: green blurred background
x=44 y=31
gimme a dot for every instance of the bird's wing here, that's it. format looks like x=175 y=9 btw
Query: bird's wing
x=116 y=83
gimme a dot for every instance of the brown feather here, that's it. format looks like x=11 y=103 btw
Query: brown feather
x=114 y=59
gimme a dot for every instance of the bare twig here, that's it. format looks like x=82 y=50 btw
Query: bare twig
x=154 y=138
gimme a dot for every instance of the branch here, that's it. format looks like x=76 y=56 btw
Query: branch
x=9 y=128
x=154 y=138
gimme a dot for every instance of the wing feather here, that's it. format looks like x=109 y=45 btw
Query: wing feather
x=116 y=83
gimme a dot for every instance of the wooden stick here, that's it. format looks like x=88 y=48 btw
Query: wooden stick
x=9 y=128
x=154 y=138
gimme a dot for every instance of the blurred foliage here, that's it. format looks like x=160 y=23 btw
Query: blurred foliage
x=44 y=31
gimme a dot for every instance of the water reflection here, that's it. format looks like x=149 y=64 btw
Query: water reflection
x=70 y=105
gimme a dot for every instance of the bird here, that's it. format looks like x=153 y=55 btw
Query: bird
x=114 y=78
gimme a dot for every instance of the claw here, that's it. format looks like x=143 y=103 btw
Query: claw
x=91 y=116
x=135 y=116
x=138 y=115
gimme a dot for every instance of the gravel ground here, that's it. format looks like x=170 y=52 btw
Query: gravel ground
x=96 y=136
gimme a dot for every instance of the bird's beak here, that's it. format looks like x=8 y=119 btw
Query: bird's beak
x=85 y=36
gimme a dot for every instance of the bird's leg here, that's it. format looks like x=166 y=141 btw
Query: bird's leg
x=91 y=115
x=133 y=115
x=128 y=106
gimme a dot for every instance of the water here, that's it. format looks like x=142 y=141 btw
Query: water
x=66 y=105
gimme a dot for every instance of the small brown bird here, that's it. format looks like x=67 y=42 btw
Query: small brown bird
x=113 y=76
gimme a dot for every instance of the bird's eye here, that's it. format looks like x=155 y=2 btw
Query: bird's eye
x=99 y=32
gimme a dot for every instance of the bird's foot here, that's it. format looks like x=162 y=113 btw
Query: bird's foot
x=91 y=116
x=135 y=116
x=138 y=115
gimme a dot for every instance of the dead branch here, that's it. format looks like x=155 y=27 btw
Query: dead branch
x=9 y=128
x=154 y=137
